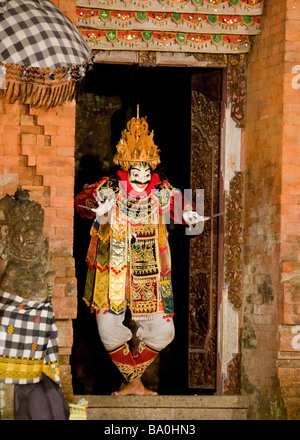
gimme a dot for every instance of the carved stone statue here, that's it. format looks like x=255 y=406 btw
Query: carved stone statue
x=24 y=249
x=28 y=334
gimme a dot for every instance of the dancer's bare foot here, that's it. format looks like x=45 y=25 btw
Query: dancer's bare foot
x=136 y=388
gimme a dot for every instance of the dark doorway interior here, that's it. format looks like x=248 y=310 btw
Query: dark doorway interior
x=164 y=96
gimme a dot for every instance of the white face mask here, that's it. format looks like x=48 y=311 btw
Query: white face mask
x=139 y=176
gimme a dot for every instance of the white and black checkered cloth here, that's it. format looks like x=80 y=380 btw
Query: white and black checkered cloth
x=28 y=340
x=36 y=33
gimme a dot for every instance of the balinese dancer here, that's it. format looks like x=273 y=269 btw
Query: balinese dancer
x=129 y=256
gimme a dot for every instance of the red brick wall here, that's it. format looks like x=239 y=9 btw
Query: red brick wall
x=68 y=7
x=271 y=251
x=263 y=162
x=37 y=150
x=289 y=355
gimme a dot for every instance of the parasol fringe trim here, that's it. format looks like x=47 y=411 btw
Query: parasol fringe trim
x=38 y=95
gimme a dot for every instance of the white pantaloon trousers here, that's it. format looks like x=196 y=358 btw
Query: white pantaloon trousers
x=157 y=332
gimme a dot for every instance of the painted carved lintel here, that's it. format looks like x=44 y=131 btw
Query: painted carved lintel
x=147 y=59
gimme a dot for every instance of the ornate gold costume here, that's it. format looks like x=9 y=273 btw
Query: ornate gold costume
x=129 y=263
x=129 y=255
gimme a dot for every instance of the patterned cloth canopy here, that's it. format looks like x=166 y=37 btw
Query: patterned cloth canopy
x=38 y=34
x=39 y=46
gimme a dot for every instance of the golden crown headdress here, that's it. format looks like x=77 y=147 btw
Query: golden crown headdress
x=136 y=145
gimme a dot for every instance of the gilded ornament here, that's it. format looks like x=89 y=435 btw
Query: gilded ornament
x=136 y=145
x=10 y=329
x=105 y=16
x=217 y=39
x=177 y=18
x=141 y=16
x=232 y=384
x=213 y=19
x=111 y=35
x=234 y=240
x=147 y=36
x=181 y=38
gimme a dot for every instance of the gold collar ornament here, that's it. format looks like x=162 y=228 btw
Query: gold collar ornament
x=136 y=145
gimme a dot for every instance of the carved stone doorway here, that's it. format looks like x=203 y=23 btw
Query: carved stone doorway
x=183 y=108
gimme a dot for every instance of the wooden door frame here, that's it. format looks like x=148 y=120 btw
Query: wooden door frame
x=231 y=193
x=206 y=265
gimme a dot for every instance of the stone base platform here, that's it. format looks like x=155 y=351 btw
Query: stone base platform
x=166 y=407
